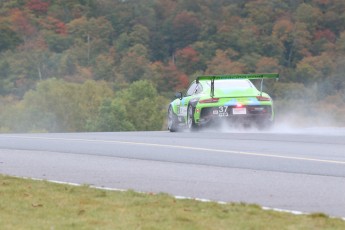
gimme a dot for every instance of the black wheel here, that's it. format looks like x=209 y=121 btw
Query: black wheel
x=172 y=120
x=192 y=126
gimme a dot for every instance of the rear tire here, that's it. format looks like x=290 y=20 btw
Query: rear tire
x=192 y=126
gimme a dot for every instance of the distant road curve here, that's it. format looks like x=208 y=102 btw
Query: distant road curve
x=302 y=170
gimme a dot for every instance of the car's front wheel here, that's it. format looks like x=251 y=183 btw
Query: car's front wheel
x=192 y=126
x=172 y=120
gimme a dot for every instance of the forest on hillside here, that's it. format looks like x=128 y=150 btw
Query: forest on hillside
x=93 y=65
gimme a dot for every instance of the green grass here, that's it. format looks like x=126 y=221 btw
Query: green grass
x=29 y=204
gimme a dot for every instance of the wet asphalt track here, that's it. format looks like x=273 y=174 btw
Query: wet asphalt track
x=301 y=170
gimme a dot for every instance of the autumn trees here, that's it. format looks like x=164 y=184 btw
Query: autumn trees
x=167 y=43
x=60 y=106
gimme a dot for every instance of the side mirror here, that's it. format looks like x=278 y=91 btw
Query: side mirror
x=178 y=95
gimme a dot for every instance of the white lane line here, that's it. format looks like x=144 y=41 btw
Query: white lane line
x=185 y=147
x=176 y=197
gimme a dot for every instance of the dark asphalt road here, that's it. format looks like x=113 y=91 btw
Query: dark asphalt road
x=302 y=170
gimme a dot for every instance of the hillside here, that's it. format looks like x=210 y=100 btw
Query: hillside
x=70 y=65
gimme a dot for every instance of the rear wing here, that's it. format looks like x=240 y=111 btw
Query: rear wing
x=261 y=76
x=238 y=76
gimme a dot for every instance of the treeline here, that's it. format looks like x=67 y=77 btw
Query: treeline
x=59 y=106
x=69 y=45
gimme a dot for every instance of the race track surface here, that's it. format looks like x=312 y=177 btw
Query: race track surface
x=301 y=170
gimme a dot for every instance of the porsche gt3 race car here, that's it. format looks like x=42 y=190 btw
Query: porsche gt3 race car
x=212 y=100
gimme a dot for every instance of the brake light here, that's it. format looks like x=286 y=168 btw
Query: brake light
x=239 y=105
x=261 y=98
x=209 y=100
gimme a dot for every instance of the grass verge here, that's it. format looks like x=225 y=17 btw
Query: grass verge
x=30 y=204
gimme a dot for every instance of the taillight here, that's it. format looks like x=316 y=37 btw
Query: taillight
x=261 y=98
x=209 y=100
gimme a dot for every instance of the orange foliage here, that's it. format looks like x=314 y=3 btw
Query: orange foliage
x=171 y=78
x=267 y=65
x=188 y=53
x=186 y=19
x=54 y=24
x=327 y=34
x=38 y=44
x=187 y=60
x=282 y=28
x=38 y=6
x=221 y=64
x=20 y=23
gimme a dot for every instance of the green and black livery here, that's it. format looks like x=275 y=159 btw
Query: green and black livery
x=212 y=99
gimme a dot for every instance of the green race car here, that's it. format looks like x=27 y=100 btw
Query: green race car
x=231 y=98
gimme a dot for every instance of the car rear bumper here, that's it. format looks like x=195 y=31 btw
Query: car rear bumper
x=252 y=114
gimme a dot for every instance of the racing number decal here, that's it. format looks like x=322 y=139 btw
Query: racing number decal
x=222 y=111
